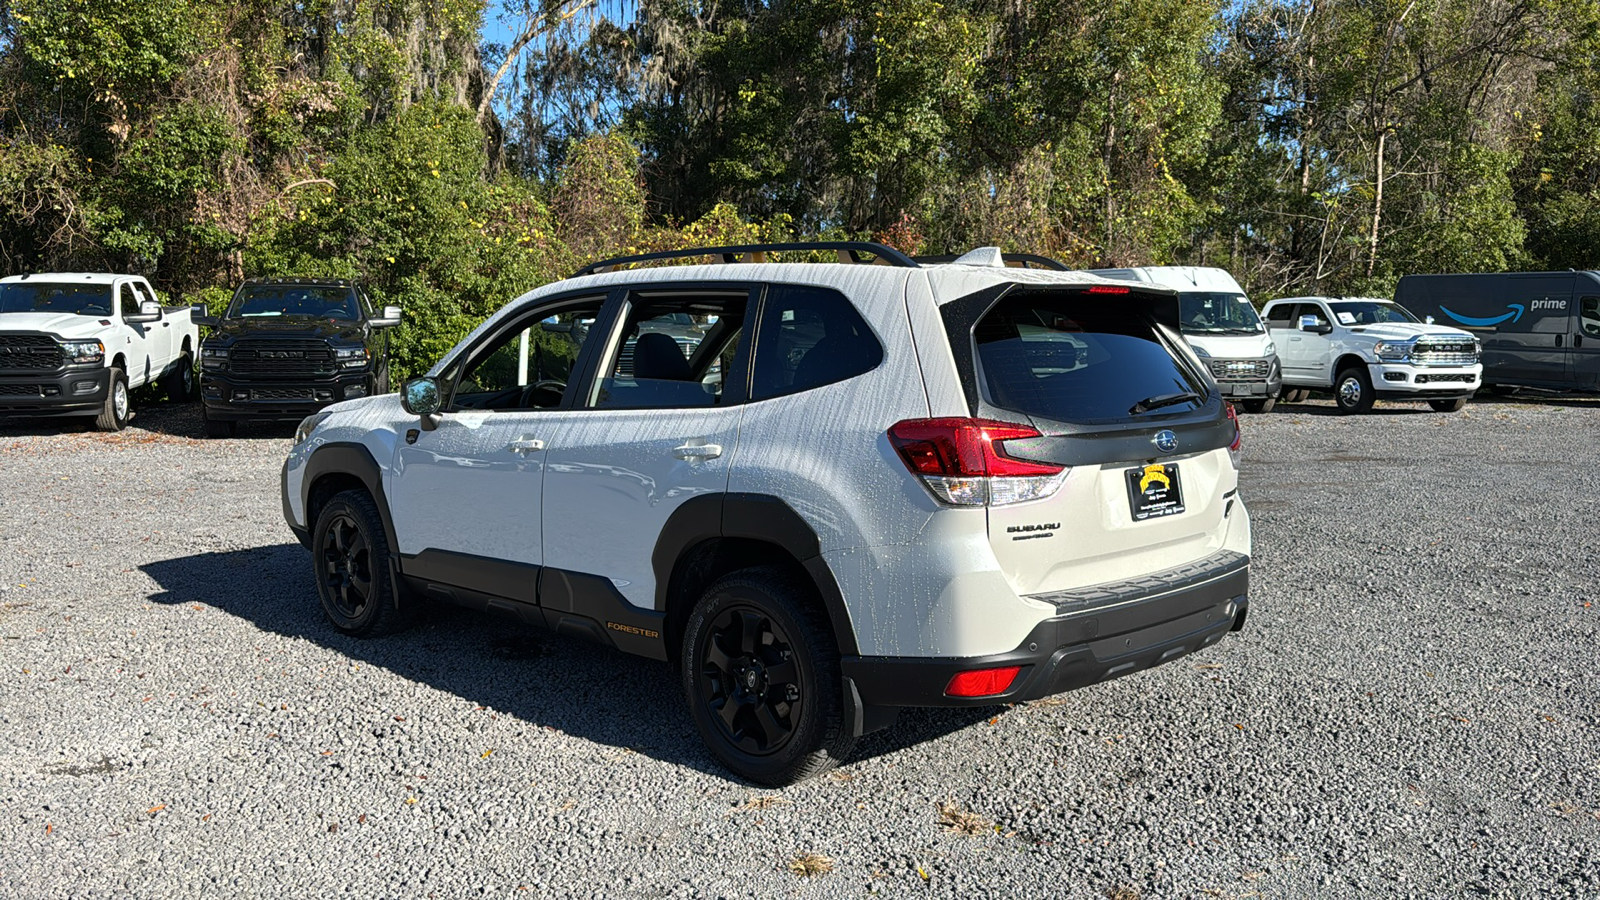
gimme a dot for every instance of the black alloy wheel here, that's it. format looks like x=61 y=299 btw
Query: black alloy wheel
x=750 y=680
x=346 y=563
x=761 y=672
x=350 y=553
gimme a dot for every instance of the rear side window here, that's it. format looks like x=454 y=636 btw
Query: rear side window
x=810 y=337
x=1076 y=358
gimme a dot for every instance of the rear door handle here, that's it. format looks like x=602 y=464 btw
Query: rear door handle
x=526 y=445
x=698 y=451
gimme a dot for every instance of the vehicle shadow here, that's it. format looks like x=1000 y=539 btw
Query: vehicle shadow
x=556 y=681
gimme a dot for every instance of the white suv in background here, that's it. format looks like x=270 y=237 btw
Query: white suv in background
x=865 y=487
x=1364 y=349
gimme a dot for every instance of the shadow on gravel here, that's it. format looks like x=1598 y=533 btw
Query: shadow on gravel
x=161 y=417
x=544 y=679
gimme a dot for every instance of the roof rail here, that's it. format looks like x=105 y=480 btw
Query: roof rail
x=848 y=251
x=1022 y=260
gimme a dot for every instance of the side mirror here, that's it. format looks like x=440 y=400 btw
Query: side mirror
x=421 y=397
x=1427 y=320
x=149 y=311
x=1315 y=325
x=389 y=319
x=200 y=315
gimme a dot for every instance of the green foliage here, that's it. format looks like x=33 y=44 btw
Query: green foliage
x=406 y=207
x=1308 y=147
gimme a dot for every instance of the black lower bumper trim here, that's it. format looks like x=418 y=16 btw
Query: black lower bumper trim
x=1069 y=651
x=64 y=392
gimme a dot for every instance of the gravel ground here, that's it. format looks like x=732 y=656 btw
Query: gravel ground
x=1412 y=710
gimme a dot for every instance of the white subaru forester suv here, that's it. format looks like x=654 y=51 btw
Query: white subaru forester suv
x=845 y=489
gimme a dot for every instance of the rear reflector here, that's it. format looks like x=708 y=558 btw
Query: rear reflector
x=964 y=462
x=1107 y=289
x=982 y=682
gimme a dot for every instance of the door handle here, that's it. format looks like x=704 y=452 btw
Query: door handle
x=526 y=445
x=698 y=451
x=1558 y=340
x=1577 y=340
x=1294 y=339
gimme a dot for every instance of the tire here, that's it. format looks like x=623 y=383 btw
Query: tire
x=114 y=412
x=1296 y=395
x=1352 y=390
x=1456 y=405
x=1264 y=405
x=758 y=643
x=216 y=429
x=180 y=383
x=351 y=558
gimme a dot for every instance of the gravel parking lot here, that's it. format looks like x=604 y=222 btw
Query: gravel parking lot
x=1412 y=710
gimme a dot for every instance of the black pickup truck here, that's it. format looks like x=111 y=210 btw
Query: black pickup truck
x=286 y=347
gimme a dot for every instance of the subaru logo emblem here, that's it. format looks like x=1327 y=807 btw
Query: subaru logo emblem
x=1165 y=441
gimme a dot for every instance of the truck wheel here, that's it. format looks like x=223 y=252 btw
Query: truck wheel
x=1260 y=406
x=1456 y=405
x=1296 y=395
x=179 y=383
x=761 y=673
x=354 y=580
x=1352 y=391
x=114 y=412
x=216 y=429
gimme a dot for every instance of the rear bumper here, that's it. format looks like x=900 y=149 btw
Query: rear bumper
x=1104 y=633
x=65 y=392
x=231 y=399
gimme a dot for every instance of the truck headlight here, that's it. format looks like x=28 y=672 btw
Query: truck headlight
x=213 y=359
x=308 y=425
x=1199 y=352
x=1272 y=349
x=1392 y=350
x=351 y=357
x=83 y=351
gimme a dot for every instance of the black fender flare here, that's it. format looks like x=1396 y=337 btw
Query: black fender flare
x=347 y=458
x=759 y=517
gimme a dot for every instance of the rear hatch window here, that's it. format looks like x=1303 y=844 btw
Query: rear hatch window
x=1078 y=357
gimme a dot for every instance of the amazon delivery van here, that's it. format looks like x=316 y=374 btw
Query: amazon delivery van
x=1224 y=329
x=1540 y=329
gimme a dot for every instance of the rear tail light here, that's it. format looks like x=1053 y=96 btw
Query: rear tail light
x=964 y=463
x=982 y=682
x=1238 y=436
x=1108 y=289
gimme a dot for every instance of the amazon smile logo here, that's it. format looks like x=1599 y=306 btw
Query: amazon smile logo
x=1515 y=314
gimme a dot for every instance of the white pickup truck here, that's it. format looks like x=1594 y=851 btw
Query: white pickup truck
x=1365 y=349
x=75 y=344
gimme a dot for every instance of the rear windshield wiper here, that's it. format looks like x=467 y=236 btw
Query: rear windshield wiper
x=1161 y=400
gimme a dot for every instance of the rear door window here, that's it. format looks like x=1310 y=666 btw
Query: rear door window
x=810 y=337
x=1077 y=358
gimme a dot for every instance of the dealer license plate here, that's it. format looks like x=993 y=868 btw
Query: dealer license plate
x=1154 y=491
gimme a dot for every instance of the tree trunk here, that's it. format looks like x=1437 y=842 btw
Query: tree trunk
x=1377 y=206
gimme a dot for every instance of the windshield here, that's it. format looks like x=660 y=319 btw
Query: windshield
x=309 y=301
x=1206 y=312
x=46 y=296
x=1369 y=312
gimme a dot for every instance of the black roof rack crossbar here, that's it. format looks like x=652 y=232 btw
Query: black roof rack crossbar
x=845 y=249
x=1023 y=260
